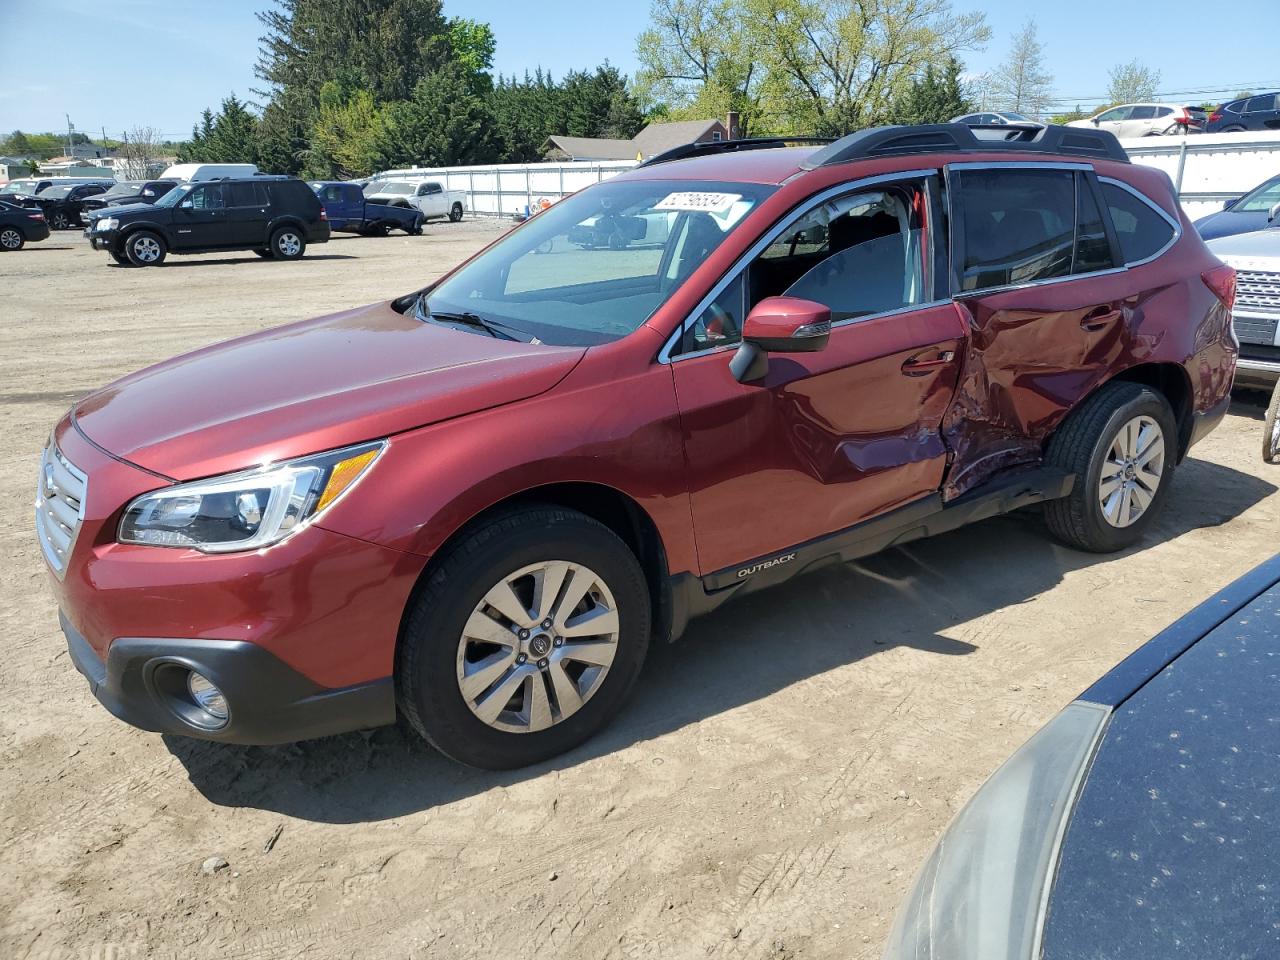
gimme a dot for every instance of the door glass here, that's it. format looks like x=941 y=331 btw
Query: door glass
x=1093 y=250
x=1142 y=113
x=1018 y=226
x=1259 y=104
x=1111 y=116
x=246 y=195
x=208 y=197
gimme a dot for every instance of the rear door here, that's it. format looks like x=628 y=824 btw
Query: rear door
x=1261 y=112
x=1139 y=121
x=248 y=210
x=1035 y=270
x=833 y=438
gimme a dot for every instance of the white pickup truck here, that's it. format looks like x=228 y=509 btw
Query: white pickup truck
x=429 y=196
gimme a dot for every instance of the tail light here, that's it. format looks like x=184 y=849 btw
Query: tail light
x=323 y=214
x=1215 y=116
x=35 y=216
x=1222 y=281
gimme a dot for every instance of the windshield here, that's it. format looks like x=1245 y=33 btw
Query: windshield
x=593 y=267
x=55 y=193
x=125 y=188
x=1016 y=116
x=395 y=187
x=174 y=196
x=1261 y=199
x=19 y=186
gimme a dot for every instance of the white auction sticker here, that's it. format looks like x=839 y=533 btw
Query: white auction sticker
x=699 y=202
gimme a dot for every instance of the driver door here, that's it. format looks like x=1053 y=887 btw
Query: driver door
x=201 y=218
x=829 y=439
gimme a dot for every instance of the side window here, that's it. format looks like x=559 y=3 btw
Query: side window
x=1141 y=230
x=247 y=195
x=860 y=255
x=434 y=188
x=1260 y=104
x=1018 y=226
x=1164 y=111
x=208 y=197
x=1142 y=113
x=1093 y=249
x=1111 y=116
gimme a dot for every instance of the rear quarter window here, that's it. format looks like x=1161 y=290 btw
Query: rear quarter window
x=1142 y=230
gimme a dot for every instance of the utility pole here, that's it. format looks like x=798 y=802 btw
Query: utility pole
x=70 y=130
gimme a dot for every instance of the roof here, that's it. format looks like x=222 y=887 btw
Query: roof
x=751 y=166
x=595 y=148
x=657 y=137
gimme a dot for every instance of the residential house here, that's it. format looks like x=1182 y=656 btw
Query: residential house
x=654 y=139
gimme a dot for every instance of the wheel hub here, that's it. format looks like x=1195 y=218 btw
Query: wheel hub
x=1131 y=472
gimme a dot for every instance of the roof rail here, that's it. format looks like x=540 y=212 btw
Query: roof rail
x=963 y=138
x=687 y=150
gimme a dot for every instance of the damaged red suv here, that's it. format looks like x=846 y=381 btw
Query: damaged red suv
x=478 y=504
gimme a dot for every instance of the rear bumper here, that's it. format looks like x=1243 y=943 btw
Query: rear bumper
x=143 y=683
x=1205 y=422
x=36 y=232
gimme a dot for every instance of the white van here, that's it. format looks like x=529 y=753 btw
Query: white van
x=184 y=172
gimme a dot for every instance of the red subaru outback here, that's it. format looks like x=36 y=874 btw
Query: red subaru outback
x=478 y=504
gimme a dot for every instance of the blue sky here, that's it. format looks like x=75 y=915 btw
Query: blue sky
x=126 y=63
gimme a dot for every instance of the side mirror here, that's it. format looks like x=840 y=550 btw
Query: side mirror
x=1095 y=121
x=779 y=325
x=1274 y=213
x=187 y=204
x=148 y=193
x=1231 y=203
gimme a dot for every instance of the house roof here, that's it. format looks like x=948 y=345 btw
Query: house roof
x=659 y=137
x=594 y=148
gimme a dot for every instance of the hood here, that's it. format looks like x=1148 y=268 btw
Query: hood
x=307 y=387
x=1257 y=250
x=128 y=209
x=1224 y=223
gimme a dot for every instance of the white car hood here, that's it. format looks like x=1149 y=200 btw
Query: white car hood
x=1259 y=250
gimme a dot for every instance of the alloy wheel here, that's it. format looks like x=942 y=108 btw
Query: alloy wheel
x=1131 y=472
x=10 y=239
x=60 y=221
x=289 y=244
x=146 y=249
x=537 y=646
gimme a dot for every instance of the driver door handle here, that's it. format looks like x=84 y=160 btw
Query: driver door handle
x=1099 y=318
x=915 y=366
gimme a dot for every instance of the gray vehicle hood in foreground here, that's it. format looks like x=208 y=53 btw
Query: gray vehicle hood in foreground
x=1258 y=250
x=1173 y=850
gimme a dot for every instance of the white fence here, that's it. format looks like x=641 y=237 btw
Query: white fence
x=507 y=189
x=1207 y=169
x=1210 y=168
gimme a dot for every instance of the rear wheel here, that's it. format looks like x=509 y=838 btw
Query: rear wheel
x=455 y=213
x=144 y=249
x=1121 y=444
x=59 y=220
x=287 y=244
x=11 y=238
x=1271 y=429
x=525 y=640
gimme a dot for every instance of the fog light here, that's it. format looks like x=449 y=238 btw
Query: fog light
x=207 y=697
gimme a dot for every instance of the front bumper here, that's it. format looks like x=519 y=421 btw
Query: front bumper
x=143 y=683
x=105 y=240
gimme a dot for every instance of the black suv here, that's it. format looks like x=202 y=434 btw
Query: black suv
x=1261 y=112
x=129 y=191
x=63 y=203
x=272 y=216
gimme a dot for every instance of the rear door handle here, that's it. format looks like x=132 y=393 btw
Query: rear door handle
x=1099 y=318
x=915 y=366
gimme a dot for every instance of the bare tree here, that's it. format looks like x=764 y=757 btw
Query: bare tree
x=138 y=153
x=1022 y=84
x=1132 y=83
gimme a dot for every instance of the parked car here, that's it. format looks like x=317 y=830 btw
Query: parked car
x=476 y=504
x=1256 y=210
x=272 y=216
x=191 y=172
x=128 y=191
x=427 y=196
x=63 y=204
x=995 y=118
x=1256 y=313
x=27 y=188
x=1261 y=112
x=1138 y=823
x=1146 y=120
x=20 y=225
x=348 y=211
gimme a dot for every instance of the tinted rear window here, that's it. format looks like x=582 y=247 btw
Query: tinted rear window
x=1020 y=226
x=1141 y=230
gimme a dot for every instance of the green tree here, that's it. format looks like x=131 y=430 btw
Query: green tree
x=933 y=97
x=523 y=114
x=444 y=123
x=1022 y=84
x=1132 y=83
x=346 y=137
x=473 y=45
x=229 y=136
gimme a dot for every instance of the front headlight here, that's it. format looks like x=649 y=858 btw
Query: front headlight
x=248 y=510
x=103 y=224
x=983 y=891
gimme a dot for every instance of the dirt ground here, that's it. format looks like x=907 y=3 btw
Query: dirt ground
x=768 y=792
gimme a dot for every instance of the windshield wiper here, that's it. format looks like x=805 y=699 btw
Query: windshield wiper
x=466 y=318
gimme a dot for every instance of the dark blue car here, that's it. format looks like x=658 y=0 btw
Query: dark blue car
x=1251 y=212
x=348 y=211
x=1257 y=112
x=1140 y=823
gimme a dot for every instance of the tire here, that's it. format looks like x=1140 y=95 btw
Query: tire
x=1090 y=442
x=435 y=650
x=455 y=213
x=145 y=249
x=415 y=230
x=58 y=220
x=11 y=238
x=379 y=230
x=287 y=243
x=263 y=252
x=1271 y=429
x=121 y=259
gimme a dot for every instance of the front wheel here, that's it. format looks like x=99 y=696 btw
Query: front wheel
x=11 y=238
x=59 y=220
x=455 y=213
x=287 y=244
x=1271 y=429
x=525 y=640
x=121 y=259
x=1121 y=444
x=144 y=249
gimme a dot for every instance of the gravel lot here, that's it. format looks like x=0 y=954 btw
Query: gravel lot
x=769 y=791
